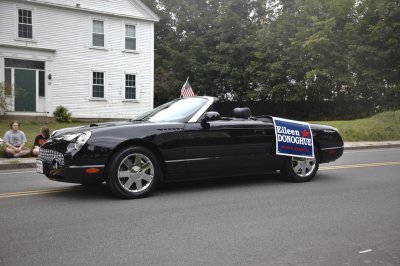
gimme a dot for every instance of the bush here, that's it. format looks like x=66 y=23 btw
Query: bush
x=62 y=114
x=5 y=89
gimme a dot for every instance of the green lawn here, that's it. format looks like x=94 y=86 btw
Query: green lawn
x=382 y=126
x=32 y=129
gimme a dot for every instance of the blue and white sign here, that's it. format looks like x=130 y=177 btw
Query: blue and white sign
x=293 y=138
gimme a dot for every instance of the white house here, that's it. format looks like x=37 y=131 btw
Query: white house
x=95 y=57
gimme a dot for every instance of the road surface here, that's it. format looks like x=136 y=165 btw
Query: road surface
x=348 y=215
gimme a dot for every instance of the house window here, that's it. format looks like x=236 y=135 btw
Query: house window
x=98 y=33
x=41 y=83
x=98 y=85
x=130 y=86
x=130 y=37
x=17 y=63
x=25 y=27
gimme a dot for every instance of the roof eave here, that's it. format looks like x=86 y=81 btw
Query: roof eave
x=152 y=17
x=146 y=9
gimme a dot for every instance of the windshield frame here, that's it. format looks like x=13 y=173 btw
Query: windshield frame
x=191 y=119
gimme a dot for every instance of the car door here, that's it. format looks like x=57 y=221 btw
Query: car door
x=228 y=147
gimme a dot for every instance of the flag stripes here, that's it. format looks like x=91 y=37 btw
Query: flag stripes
x=187 y=90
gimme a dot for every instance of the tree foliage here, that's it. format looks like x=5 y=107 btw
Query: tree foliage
x=279 y=50
x=5 y=89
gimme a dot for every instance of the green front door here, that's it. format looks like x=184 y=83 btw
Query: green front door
x=25 y=90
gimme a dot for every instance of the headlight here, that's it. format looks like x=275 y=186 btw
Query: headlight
x=82 y=139
x=77 y=141
x=71 y=137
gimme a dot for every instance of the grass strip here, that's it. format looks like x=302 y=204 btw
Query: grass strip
x=380 y=127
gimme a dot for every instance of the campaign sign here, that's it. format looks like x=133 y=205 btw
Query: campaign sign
x=293 y=138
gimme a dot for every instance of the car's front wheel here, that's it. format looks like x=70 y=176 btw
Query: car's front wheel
x=298 y=169
x=133 y=173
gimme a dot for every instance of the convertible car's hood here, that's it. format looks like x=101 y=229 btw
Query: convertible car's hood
x=91 y=127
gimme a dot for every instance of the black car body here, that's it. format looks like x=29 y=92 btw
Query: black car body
x=183 y=139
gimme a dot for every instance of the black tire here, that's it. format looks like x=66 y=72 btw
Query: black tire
x=291 y=173
x=133 y=173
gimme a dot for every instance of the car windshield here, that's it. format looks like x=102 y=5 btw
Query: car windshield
x=179 y=110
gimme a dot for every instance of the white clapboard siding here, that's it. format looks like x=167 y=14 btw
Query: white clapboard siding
x=67 y=31
x=122 y=7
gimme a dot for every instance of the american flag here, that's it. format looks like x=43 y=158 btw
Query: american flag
x=187 y=90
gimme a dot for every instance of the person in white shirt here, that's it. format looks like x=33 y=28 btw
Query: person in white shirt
x=15 y=141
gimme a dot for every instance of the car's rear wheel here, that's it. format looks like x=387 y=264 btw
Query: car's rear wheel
x=298 y=169
x=133 y=173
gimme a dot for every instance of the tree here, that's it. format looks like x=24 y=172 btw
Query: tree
x=375 y=52
x=5 y=89
x=290 y=50
x=211 y=41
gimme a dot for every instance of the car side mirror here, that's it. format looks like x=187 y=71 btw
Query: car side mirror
x=209 y=116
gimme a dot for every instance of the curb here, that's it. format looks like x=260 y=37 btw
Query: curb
x=365 y=147
x=17 y=165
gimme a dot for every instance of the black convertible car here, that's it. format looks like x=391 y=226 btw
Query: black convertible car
x=183 y=139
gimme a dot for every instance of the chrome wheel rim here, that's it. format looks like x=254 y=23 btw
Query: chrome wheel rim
x=135 y=172
x=303 y=167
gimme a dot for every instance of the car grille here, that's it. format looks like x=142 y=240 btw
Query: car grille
x=48 y=156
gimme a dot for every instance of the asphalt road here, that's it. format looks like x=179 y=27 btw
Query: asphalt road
x=348 y=215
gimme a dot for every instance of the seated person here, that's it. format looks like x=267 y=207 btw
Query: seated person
x=15 y=141
x=40 y=140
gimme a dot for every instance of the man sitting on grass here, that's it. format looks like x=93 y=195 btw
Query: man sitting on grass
x=15 y=141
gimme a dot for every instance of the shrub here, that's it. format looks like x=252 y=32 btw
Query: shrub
x=62 y=114
x=5 y=89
